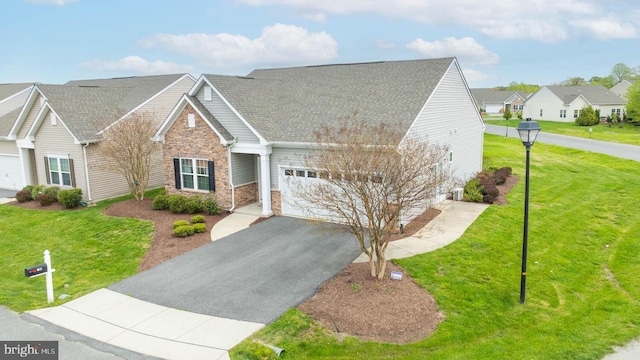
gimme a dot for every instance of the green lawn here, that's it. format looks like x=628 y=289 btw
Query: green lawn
x=583 y=285
x=88 y=250
x=624 y=133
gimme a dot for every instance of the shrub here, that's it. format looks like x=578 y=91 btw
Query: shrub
x=488 y=199
x=473 y=190
x=210 y=206
x=180 y=223
x=70 y=198
x=489 y=187
x=177 y=203
x=160 y=202
x=53 y=191
x=587 y=117
x=502 y=174
x=197 y=219
x=28 y=188
x=183 y=231
x=23 y=196
x=199 y=227
x=37 y=190
x=45 y=199
x=194 y=204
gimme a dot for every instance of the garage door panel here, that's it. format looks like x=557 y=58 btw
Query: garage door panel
x=10 y=174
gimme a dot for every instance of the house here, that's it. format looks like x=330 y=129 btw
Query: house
x=495 y=102
x=57 y=131
x=622 y=87
x=12 y=99
x=564 y=103
x=240 y=136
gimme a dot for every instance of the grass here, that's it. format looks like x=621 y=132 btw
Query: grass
x=583 y=287
x=88 y=251
x=622 y=133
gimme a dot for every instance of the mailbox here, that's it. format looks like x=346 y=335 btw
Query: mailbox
x=35 y=270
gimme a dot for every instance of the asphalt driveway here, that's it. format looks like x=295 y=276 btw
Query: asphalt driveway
x=253 y=275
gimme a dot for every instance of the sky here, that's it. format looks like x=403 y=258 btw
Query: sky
x=495 y=41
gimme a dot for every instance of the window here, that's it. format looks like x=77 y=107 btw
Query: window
x=194 y=174
x=563 y=114
x=288 y=172
x=450 y=156
x=59 y=171
x=312 y=174
x=300 y=173
x=540 y=112
x=576 y=113
x=615 y=112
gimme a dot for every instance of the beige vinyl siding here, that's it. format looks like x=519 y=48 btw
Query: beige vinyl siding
x=31 y=117
x=56 y=140
x=163 y=103
x=451 y=118
x=244 y=169
x=8 y=148
x=227 y=118
x=13 y=103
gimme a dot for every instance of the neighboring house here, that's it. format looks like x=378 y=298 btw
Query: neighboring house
x=12 y=99
x=622 y=87
x=495 y=102
x=564 y=103
x=57 y=132
x=241 y=136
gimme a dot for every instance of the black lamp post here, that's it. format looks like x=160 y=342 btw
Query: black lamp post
x=528 y=131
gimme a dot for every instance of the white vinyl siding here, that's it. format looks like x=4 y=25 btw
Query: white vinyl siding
x=284 y=157
x=228 y=118
x=463 y=132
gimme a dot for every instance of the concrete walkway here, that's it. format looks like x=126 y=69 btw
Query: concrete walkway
x=447 y=227
x=240 y=219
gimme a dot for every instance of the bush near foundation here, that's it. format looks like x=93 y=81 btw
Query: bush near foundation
x=23 y=196
x=183 y=231
x=70 y=198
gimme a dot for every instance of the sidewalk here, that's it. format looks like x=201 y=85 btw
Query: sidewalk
x=447 y=227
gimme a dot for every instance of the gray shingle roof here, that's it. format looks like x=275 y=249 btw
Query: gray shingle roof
x=288 y=104
x=7 y=121
x=6 y=90
x=212 y=119
x=483 y=96
x=596 y=94
x=88 y=106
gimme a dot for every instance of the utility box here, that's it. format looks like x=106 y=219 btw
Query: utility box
x=35 y=270
x=458 y=194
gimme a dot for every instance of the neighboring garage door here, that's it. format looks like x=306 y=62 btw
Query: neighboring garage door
x=10 y=175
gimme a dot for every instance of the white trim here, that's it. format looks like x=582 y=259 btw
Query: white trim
x=16 y=155
x=26 y=108
x=17 y=94
x=252 y=149
x=40 y=118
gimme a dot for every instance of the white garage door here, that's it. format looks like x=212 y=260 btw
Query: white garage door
x=290 y=178
x=10 y=174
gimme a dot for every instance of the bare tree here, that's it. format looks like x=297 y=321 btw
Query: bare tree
x=371 y=178
x=127 y=148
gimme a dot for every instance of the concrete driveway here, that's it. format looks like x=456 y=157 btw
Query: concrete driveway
x=254 y=275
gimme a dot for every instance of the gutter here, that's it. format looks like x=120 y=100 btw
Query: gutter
x=233 y=189
x=86 y=171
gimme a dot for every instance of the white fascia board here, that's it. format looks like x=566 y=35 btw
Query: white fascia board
x=17 y=94
x=25 y=110
x=222 y=139
x=260 y=149
x=145 y=102
x=196 y=87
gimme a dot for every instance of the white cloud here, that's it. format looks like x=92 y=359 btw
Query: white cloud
x=540 y=20
x=277 y=45
x=605 y=29
x=137 y=65
x=466 y=49
x=473 y=75
x=51 y=2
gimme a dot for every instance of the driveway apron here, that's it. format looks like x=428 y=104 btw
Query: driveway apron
x=253 y=275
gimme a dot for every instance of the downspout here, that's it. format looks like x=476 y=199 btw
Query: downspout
x=86 y=172
x=233 y=189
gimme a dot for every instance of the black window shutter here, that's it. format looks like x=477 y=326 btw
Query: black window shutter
x=176 y=172
x=212 y=178
x=73 y=173
x=46 y=169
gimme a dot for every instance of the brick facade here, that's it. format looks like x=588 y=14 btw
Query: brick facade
x=276 y=204
x=199 y=142
x=246 y=194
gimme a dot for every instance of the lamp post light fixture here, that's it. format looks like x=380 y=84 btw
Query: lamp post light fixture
x=528 y=131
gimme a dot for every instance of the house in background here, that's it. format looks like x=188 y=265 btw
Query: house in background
x=57 y=131
x=12 y=100
x=564 y=103
x=494 y=102
x=241 y=136
x=622 y=87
